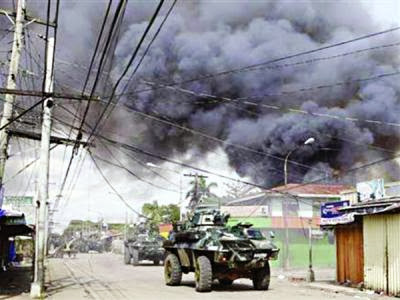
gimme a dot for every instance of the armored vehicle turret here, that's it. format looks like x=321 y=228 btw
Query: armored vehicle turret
x=206 y=246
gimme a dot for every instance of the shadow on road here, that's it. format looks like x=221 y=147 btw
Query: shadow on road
x=15 y=281
x=59 y=285
x=235 y=287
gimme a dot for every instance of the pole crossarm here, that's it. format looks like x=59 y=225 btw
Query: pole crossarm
x=13 y=14
x=47 y=95
x=53 y=139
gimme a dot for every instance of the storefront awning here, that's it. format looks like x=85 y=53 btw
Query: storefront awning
x=13 y=224
x=15 y=230
x=348 y=214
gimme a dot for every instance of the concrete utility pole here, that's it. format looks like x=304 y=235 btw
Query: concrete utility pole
x=126 y=225
x=310 y=272
x=43 y=193
x=11 y=84
x=196 y=197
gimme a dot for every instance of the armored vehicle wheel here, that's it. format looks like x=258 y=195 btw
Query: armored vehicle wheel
x=156 y=262
x=261 y=278
x=135 y=257
x=172 y=270
x=203 y=274
x=127 y=256
x=225 y=282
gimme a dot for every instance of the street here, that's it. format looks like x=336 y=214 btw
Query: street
x=104 y=276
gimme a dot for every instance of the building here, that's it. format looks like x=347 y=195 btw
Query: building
x=290 y=211
x=12 y=224
x=368 y=240
x=17 y=216
x=22 y=204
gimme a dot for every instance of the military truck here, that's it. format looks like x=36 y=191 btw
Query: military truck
x=143 y=247
x=206 y=246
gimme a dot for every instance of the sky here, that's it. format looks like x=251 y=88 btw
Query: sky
x=92 y=199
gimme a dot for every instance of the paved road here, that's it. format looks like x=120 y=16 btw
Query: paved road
x=104 y=276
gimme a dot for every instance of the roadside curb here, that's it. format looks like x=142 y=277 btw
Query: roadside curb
x=337 y=289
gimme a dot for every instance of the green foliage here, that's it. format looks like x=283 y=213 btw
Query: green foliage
x=80 y=226
x=158 y=214
x=120 y=227
x=203 y=193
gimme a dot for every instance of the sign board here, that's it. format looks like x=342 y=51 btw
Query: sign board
x=15 y=221
x=317 y=234
x=330 y=214
x=371 y=190
x=23 y=204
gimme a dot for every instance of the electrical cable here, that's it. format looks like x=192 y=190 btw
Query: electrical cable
x=127 y=67
x=121 y=166
x=163 y=158
x=150 y=44
x=141 y=163
x=251 y=67
x=112 y=187
x=25 y=167
x=244 y=100
x=93 y=60
x=119 y=11
x=23 y=113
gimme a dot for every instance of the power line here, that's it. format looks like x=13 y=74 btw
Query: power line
x=244 y=100
x=141 y=163
x=193 y=131
x=117 y=16
x=144 y=54
x=150 y=44
x=106 y=47
x=141 y=151
x=149 y=25
x=22 y=113
x=251 y=67
x=121 y=166
x=112 y=187
x=182 y=164
x=25 y=167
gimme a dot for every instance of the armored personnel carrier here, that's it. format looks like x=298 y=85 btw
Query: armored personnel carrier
x=143 y=245
x=206 y=246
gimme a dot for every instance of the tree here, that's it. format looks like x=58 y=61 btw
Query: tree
x=158 y=214
x=201 y=191
x=236 y=190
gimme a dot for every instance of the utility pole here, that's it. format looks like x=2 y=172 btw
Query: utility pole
x=285 y=210
x=196 y=197
x=11 y=84
x=43 y=194
x=126 y=225
x=310 y=272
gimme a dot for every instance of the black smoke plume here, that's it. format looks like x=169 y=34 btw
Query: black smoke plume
x=206 y=37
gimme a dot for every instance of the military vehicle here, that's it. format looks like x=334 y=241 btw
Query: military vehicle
x=144 y=244
x=141 y=248
x=206 y=246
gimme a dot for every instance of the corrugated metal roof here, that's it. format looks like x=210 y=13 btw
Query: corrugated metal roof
x=296 y=189
x=318 y=189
